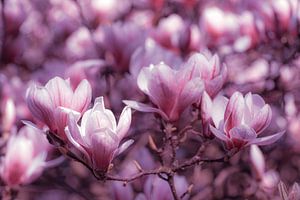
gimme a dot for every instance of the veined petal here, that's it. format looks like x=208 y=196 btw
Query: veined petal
x=60 y=91
x=191 y=93
x=104 y=146
x=40 y=105
x=234 y=112
x=82 y=96
x=262 y=119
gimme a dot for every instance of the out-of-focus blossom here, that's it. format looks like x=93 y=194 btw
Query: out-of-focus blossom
x=98 y=137
x=120 y=40
x=8 y=114
x=80 y=45
x=268 y=179
x=219 y=24
x=25 y=157
x=240 y=120
x=176 y=34
x=46 y=103
x=85 y=69
x=156 y=188
x=15 y=13
x=172 y=91
x=152 y=53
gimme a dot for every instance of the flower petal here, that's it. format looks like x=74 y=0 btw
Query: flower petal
x=82 y=96
x=262 y=119
x=218 y=133
x=124 y=122
x=257 y=160
x=268 y=139
x=144 y=108
x=234 y=112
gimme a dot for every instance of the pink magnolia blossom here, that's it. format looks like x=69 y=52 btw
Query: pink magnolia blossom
x=25 y=157
x=240 y=120
x=98 y=137
x=209 y=70
x=46 y=103
x=172 y=91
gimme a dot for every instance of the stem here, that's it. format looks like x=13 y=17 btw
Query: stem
x=172 y=187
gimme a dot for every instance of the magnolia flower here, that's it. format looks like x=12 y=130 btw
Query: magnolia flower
x=25 y=157
x=46 y=103
x=240 y=120
x=98 y=137
x=172 y=91
x=209 y=70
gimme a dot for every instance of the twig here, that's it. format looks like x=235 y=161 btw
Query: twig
x=172 y=187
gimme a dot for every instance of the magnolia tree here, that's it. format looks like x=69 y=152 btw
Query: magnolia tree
x=143 y=100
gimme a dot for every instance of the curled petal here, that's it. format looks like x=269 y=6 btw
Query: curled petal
x=124 y=146
x=74 y=130
x=76 y=144
x=144 y=108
